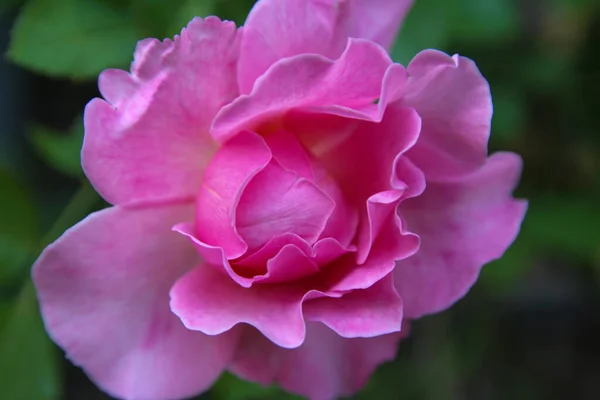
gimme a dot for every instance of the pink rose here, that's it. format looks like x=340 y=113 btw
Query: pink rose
x=284 y=196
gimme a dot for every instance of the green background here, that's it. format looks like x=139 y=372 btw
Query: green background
x=530 y=327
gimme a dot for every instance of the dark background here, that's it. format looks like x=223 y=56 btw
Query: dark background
x=530 y=327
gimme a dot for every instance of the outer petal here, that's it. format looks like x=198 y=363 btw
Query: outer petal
x=353 y=81
x=277 y=29
x=207 y=300
x=377 y=20
x=325 y=367
x=455 y=105
x=462 y=225
x=157 y=118
x=103 y=290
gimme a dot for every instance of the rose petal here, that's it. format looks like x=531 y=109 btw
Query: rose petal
x=229 y=172
x=365 y=165
x=325 y=367
x=370 y=312
x=462 y=225
x=377 y=20
x=275 y=202
x=103 y=290
x=365 y=162
x=454 y=102
x=278 y=29
x=288 y=265
x=308 y=80
x=392 y=243
x=157 y=118
x=289 y=153
x=215 y=256
x=321 y=253
x=207 y=300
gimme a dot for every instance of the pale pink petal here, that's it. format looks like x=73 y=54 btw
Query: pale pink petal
x=370 y=312
x=463 y=225
x=352 y=81
x=157 y=118
x=103 y=289
x=230 y=170
x=277 y=201
x=207 y=300
x=377 y=20
x=278 y=29
x=325 y=367
x=322 y=128
x=454 y=102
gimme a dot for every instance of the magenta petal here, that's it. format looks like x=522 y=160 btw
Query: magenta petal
x=370 y=169
x=288 y=265
x=207 y=300
x=157 y=118
x=322 y=252
x=377 y=20
x=370 y=312
x=365 y=162
x=454 y=102
x=289 y=153
x=277 y=201
x=325 y=367
x=103 y=290
x=225 y=178
x=392 y=243
x=328 y=249
x=463 y=225
x=308 y=80
x=278 y=29
x=213 y=255
x=380 y=207
x=272 y=247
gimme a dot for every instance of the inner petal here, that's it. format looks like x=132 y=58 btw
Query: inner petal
x=277 y=201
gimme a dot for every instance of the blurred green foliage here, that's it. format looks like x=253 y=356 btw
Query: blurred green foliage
x=538 y=59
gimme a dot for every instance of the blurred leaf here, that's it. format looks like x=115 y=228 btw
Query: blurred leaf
x=60 y=150
x=509 y=113
x=234 y=10
x=484 y=21
x=6 y=5
x=28 y=368
x=500 y=275
x=424 y=28
x=5 y=311
x=229 y=387
x=188 y=10
x=72 y=38
x=19 y=230
x=566 y=224
x=544 y=70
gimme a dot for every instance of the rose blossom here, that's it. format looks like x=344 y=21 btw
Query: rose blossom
x=284 y=196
